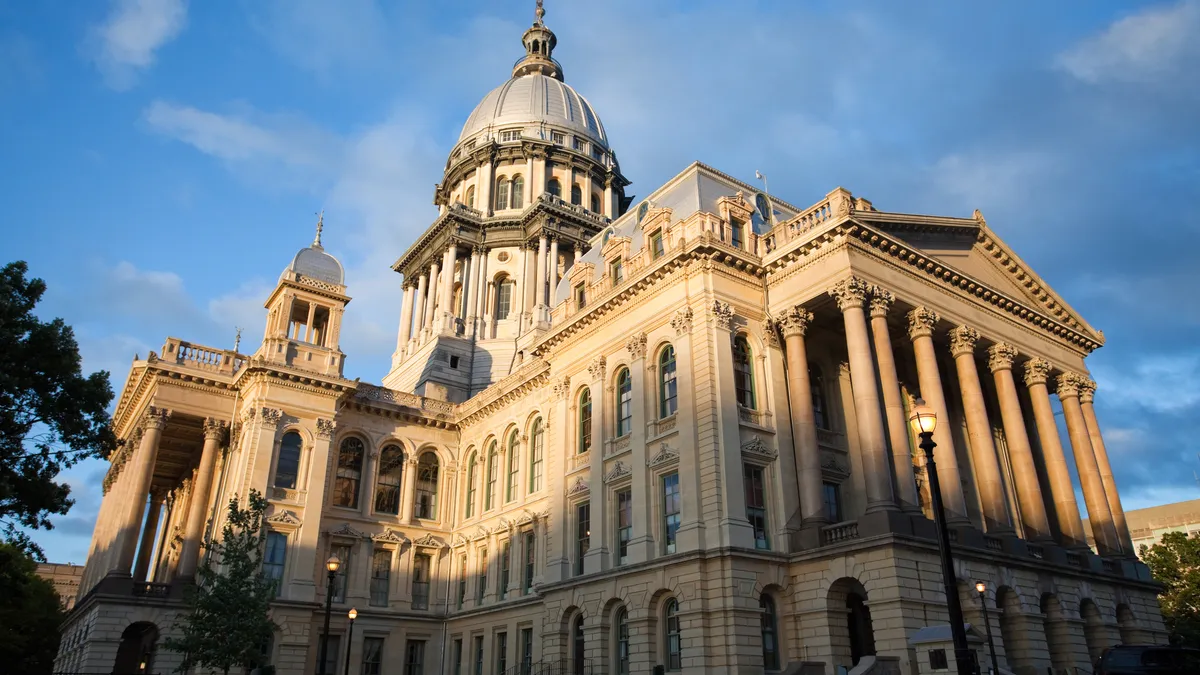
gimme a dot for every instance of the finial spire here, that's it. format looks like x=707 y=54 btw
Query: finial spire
x=320 y=226
x=539 y=13
x=237 y=339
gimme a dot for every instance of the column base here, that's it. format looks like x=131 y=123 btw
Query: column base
x=808 y=536
x=641 y=549
x=689 y=537
x=741 y=535
x=596 y=560
x=884 y=522
x=557 y=569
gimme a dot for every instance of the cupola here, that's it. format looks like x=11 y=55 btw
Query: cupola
x=539 y=44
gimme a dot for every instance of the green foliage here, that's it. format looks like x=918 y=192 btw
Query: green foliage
x=51 y=416
x=1175 y=563
x=227 y=624
x=30 y=615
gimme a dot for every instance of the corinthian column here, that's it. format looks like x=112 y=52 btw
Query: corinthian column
x=432 y=301
x=419 y=305
x=149 y=534
x=141 y=473
x=1087 y=393
x=850 y=294
x=1034 y=522
x=893 y=404
x=1099 y=514
x=214 y=431
x=794 y=324
x=983 y=449
x=406 y=312
x=920 y=330
x=1069 y=523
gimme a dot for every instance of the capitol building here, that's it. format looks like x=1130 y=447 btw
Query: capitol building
x=626 y=433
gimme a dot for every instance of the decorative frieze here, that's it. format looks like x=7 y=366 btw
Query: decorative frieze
x=562 y=389
x=284 y=518
x=963 y=340
x=770 y=332
x=1001 y=356
x=723 y=314
x=430 y=541
x=756 y=446
x=921 y=322
x=618 y=472
x=881 y=301
x=1036 y=371
x=850 y=292
x=666 y=455
x=346 y=530
x=579 y=487
x=795 y=321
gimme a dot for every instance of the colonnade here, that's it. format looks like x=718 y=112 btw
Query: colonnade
x=885 y=440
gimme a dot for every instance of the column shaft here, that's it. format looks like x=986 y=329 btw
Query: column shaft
x=641 y=545
x=408 y=486
x=406 y=313
x=540 y=274
x=1034 y=521
x=419 y=305
x=141 y=472
x=735 y=527
x=484 y=293
x=596 y=559
x=552 y=272
x=432 y=301
x=920 y=329
x=149 y=535
x=1061 y=490
x=794 y=325
x=1086 y=396
x=471 y=303
x=1099 y=514
x=197 y=515
x=983 y=448
x=691 y=526
x=308 y=329
x=446 y=294
x=893 y=404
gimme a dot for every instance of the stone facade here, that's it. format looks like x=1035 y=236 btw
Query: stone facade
x=65 y=579
x=614 y=438
x=1147 y=526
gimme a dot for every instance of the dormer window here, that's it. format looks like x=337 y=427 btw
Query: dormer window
x=579 y=145
x=597 y=153
x=558 y=138
x=616 y=270
x=736 y=232
x=656 y=245
x=510 y=135
x=580 y=296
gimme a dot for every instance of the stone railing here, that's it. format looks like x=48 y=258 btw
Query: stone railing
x=660 y=427
x=794 y=227
x=838 y=532
x=151 y=590
x=1036 y=551
x=574 y=209
x=1074 y=559
x=203 y=358
x=834 y=440
x=761 y=418
x=289 y=495
x=371 y=392
x=994 y=543
x=579 y=461
x=617 y=445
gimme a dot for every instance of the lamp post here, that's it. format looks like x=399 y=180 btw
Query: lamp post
x=332 y=565
x=353 y=614
x=982 y=589
x=923 y=421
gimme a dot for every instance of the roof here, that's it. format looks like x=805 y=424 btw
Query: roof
x=314 y=263
x=535 y=100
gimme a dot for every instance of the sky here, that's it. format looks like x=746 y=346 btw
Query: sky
x=162 y=161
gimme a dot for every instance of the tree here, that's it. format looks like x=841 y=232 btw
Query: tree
x=51 y=416
x=226 y=624
x=30 y=615
x=1175 y=563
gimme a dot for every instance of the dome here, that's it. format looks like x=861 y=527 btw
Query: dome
x=535 y=99
x=314 y=263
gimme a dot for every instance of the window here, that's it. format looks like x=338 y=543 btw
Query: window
x=536 y=452
x=580 y=295
x=372 y=660
x=332 y=646
x=937 y=660
x=770 y=632
x=554 y=187
x=672 y=647
x=505 y=564
x=576 y=195
x=420 y=583
x=479 y=655
x=530 y=546
x=490 y=492
x=585 y=421
x=578 y=144
x=583 y=534
x=736 y=232
x=668 y=399
x=287 y=467
x=471 y=196
x=389 y=480
x=671 y=506
x=517 y=192
x=616 y=270
x=504 y=291
x=381 y=571
x=597 y=153
x=458 y=654
x=526 y=651
x=349 y=473
x=414 y=658
x=595 y=203
x=274 y=557
x=514 y=464
x=577 y=646
x=656 y=245
x=558 y=138
x=501 y=652
x=481 y=580
x=472 y=465
x=501 y=193
x=462 y=581
x=833 y=501
x=624 y=403
x=342 y=551
x=743 y=377
x=624 y=524
x=756 y=503
x=510 y=135
x=621 y=628
x=816 y=384
x=426 y=487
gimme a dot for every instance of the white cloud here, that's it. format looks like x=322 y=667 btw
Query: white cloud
x=1161 y=383
x=977 y=179
x=1142 y=47
x=125 y=44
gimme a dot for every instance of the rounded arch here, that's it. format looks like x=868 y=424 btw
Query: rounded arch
x=850 y=616
x=471 y=476
x=290 y=450
x=135 y=653
x=516 y=192
x=1127 y=625
x=576 y=194
x=1015 y=646
x=554 y=187
x=352 y=448
x=389 y=477
x=622 y=388
x=1093 y=628
x=667 y=385
x=470 y=197
x=426 y=483
x=744 y=383
x=1058 y=635
x=771 y=600
x=584 y=402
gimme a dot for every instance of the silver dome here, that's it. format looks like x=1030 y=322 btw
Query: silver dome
x=535 y=99
x=314 y=263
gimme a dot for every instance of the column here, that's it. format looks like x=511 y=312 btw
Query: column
x=1087 y=394
x=540 y=275
x=1061 y=490
x=141 y=471
x=553 y=272
x=419 y=305
x=1099 y=514
x=893 y=405
x=484 y=197
x=641 y=544
x=471 y=301
x=979 y=429
x=690 y=536
x=446 y=293
x=850 y=294
x=524 y=290
x=1029 y=493
x=406 y=313
x=529 y=191
x=149 y=535
x=408 y=487
x=558 y=435
x=484 y=293
x=794 y=324
x=306 y=546
x=432 y=301
x=920 y=330
x=596 y=559
x=214 y=431
x=735 y=527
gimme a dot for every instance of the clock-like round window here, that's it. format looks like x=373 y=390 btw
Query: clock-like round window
x=502 y=256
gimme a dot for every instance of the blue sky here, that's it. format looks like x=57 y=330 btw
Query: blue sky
x=163 y=159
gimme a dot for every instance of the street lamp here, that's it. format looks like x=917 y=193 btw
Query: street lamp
x=332 y=565
x=924 y=421
x=353 y=614
x=982 y=589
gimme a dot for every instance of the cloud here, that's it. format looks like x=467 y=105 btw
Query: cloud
x=126 y=43
x=1140 y=48
x=1160 y=383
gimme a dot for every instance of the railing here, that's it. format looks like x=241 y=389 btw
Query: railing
x=1074 y=559
x=576 y=209
x=659 y=427
x=794 y=227
x=844 y=531
x=563 y=667
x=831 y=439
x=539 y=57
x=288 y=495
x=1036 y=552
x=151 y=590
x=198 y=356
x=760 y=417
x=579 y=461
x=1108 y=566
x=994 y=543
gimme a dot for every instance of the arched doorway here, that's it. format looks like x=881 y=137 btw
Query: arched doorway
x=1127 y=625
x=135 y=654
x=850 y=627
x=1057 y=630
x=1093 y=629
x=1008 y=606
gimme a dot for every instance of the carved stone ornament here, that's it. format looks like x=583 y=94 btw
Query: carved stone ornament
x=1087 y=390
x=326 y=428
x=347 y=531
x=525 y=518
x=756 y=446
x=1068 y=384
x=881 y=301
x=481 y=533
x=562 y=389
x=1001 y=356
x=619 y=471
x=430 y=541
x=636 y=344
x=284 y=517
x=682 y=322
x=850 y=292
x=770 y=332
x=458 y=541
x=214 y=429
x=795 y=321
x=723 y=314
x=270 y=416
x=389 y=536
x=665 y=455
x=596 y=369
x=962 y=340
x=1036 y=371
x=156 y=418
x=835 y=467
x=248 y=415
x=921 y=322
x=580 y=486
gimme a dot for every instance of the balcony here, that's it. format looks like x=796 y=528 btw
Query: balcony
x=759 y=418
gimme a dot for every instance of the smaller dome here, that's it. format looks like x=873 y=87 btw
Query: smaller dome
x=314 y=263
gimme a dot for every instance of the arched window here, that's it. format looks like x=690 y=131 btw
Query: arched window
x=458 y=299
x=514 y=456
x=501 y=193
x=595 y=203
x=668 y=399
x=472 y=471
x=816 y=384
x=471 y=196
x=554 y=187
x=585 y=421
x=743 y=375
x=389 y=479
x=517 y=192
x=769 y=633
x=577 y=646
x=349 y=473
x=621 y=638
x=425 y=500
x=287 y=467
x=504 y=293
x=624 y=403
x=672 y=649
x=489 y=494
x=537 y=449
x=576 y=195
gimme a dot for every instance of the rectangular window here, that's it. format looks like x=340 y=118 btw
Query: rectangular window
x=558 y=138
x=462 y=581
x=333 y=643
x=536 y=454
x=479 y=655
x=583 y=534
x=510 y=135
x=414 y=658
x=458 y=654
x=624 y=524
x=273 y=559
x=420 y=584
x=579 y=144
x=833 y=501
x=670 y=511
x=736 y=232
x=526 y=651
x=381 y=571
x=503 y=300
x=597 y=154
x=938 y=660
x=530 y=562
x=372 y=661
x=656 y=245
x=514 y=464
x=481 y=582
x=501 y=652
x=505 y=562
x=616 y=270
x=756 y=503
x=580 y=296
x=342 y=551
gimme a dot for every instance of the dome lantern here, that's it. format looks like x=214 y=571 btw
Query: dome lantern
x=539 y=44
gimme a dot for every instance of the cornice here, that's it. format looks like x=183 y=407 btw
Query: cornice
x=504 y=392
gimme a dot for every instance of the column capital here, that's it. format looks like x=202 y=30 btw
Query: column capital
x=795 y=321
x=636 y=344
x=881 y=301
x=156 y=418
x=214 y=429
x=770 y=332
x=562 y=389
x=1087 y=390
x=596 y=368
x=921 y=322
x=1000 y=356
x=962 y=340
x=1069 y=384
x=270 y=417
x=1037 y=371
x=682 y=323
x=325 y=428
x=850 y=292
x=723 y=313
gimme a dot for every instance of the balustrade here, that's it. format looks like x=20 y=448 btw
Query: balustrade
x=838 y=532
